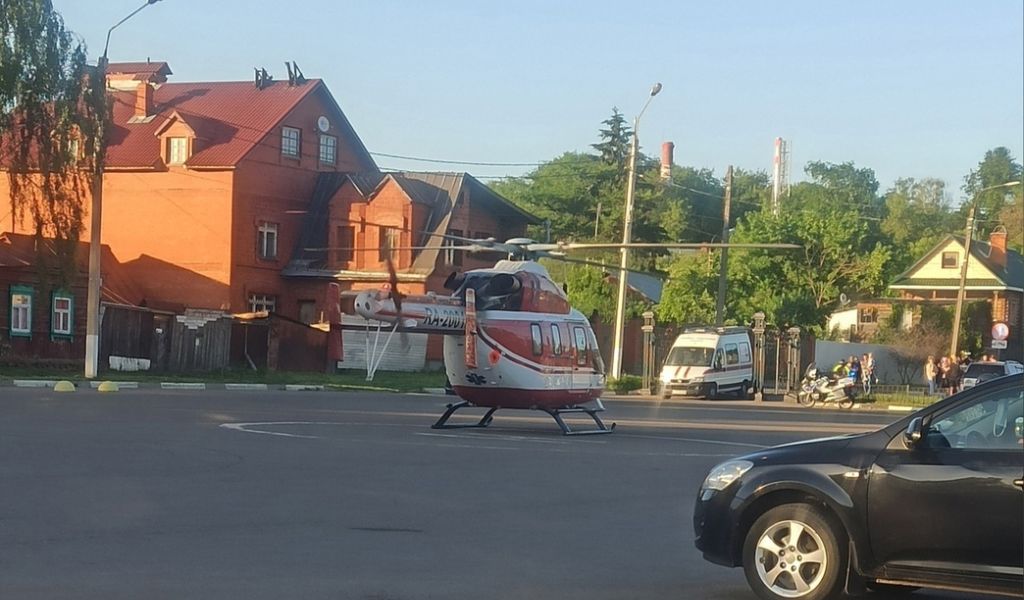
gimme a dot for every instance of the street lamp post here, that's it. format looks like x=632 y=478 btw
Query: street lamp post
x=627 y=233
x=962 y=291
x=92 y=316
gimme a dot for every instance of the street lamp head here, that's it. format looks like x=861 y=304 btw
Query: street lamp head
x=655 y=89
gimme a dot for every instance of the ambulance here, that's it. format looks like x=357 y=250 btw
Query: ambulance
x=708 y=362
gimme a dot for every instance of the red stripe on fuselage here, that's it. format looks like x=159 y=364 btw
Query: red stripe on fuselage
x=515 y=398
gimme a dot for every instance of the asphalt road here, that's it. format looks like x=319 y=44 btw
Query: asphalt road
x=249 y=495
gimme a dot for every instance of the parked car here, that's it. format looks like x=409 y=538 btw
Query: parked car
x=983 y=371
x=934 y=500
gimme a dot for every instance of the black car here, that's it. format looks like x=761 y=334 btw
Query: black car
x=933 y=500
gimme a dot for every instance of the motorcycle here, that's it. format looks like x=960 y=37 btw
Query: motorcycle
x=817 y=387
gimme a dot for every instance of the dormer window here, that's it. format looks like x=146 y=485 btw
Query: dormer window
x=177 y=150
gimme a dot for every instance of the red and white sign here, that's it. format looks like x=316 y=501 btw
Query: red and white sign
x=1000 y=331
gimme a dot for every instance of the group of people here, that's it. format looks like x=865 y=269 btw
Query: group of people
x=946 y=373
x=861 y=369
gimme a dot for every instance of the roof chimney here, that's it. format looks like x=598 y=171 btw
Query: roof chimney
x=143 y=100
x=667 y=156
x=997 y=246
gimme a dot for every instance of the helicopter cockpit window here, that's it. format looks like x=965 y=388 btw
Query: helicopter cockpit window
x=537 y=339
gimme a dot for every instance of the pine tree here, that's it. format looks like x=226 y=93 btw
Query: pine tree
x=615 y=141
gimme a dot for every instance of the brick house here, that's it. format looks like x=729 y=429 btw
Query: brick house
x=216 y=195
x=42 y=313
x=995 y=275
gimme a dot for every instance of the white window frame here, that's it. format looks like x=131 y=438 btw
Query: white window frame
x=177 y=150
x=291 y=142
x=452 y=256
x=262 y=303
x=61 y=318
x=21 y=311
x=266 y=240
x=328 y=149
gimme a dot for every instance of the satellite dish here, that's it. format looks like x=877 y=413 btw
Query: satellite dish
x=843 y=299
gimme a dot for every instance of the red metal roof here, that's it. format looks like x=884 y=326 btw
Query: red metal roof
x=229 y=118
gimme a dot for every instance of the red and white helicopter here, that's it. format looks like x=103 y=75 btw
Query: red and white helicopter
x=512 y=340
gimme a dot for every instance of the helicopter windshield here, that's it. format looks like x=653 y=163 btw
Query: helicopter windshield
x=688 y=356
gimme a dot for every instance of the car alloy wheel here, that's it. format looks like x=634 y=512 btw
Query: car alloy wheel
x=792 y=552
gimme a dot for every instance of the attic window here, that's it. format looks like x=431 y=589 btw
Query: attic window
x=328 y=149
x=950 y=260
x=177 y=150
x=291 y=139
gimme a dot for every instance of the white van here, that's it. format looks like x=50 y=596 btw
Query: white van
x=709 y=361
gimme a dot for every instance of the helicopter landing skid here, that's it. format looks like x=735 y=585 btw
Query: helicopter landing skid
x=442 y=423
x=556 y=414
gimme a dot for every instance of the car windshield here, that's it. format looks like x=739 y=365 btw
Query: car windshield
x=979 y=369
x=689 y=356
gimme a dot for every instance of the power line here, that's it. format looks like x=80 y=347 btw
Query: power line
x=459 y=162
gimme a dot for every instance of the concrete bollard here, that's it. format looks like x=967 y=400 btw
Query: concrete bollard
x=107 y=386
x=64 y=386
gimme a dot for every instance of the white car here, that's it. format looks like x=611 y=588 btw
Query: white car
x=983 y=371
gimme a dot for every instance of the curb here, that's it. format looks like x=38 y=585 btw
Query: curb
x=182 y=386
x=121 y=385
x=898 y=408
x=246 y=387
x=303 y=388
x=35 y=383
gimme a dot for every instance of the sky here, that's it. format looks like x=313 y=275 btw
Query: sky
x=908 y=88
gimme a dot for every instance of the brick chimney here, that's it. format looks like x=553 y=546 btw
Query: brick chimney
x=667 y=153
x=997 y=244
x=143 y=100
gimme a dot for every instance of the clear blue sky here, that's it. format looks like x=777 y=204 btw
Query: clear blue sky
x=907 y=88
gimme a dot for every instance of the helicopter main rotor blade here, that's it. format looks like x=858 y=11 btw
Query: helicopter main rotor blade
x=563 y=246
x=592 y=263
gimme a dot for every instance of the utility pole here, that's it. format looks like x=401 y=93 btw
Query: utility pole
x=723 y=262
x=968 y=234
x=92 y=310
x=627 y=233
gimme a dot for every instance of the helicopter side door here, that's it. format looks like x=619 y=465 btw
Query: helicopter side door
x=581 y=359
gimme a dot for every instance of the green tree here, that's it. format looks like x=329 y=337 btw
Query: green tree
x=689 y=294
x=48 y=120
x=801 y=287
x=1012 y=218
x=917 y=216
x=616 y=137
x=996 y=168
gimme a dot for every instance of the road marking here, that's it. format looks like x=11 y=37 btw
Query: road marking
x=244 y=427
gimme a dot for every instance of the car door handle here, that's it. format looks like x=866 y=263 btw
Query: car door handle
x=1019 y=483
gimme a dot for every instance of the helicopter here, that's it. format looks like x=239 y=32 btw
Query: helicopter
x=512 y=340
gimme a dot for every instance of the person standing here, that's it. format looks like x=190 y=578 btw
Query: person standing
x=867 y=372
x=931 y=373
x=953 y=375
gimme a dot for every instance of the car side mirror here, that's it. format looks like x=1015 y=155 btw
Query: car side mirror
x=914 y=433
